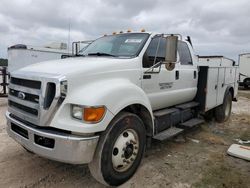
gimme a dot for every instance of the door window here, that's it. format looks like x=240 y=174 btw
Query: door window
x=150 y=54
x=184 y=53
x=160 y=42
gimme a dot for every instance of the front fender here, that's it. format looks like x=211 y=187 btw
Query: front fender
x=115 y=94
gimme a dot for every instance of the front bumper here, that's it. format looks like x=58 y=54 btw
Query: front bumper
x=63 y=147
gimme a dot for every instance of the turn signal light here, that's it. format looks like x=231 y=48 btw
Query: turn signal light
x=93 y=114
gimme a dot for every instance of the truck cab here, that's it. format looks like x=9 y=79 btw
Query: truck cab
x=103 y=106
x=167 y=88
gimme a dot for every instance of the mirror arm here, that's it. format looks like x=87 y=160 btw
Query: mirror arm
x=157 y=50
x=152 y=68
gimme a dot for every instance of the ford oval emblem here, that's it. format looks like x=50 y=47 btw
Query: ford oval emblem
x=21 y=95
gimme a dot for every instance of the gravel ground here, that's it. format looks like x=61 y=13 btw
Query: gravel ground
x=196 y=159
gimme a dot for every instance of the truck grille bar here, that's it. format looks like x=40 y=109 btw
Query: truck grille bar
x=26 y=83
x=29 y=97
x=23 y=108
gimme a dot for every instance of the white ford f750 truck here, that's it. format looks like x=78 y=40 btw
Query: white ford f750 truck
x=105 y=105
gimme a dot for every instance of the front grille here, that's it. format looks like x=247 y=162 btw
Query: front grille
x=26 y=83
x=34 y=101
x=28 y=96
x=23 y=108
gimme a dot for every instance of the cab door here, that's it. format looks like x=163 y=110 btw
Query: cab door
x=166 y=88
x=188 y=72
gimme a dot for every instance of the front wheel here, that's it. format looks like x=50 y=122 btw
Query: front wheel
x=223 y=112
x=120 y=150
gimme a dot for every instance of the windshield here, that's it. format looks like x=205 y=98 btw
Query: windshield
x=120 y=45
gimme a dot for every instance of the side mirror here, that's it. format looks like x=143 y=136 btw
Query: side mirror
x=171 y=52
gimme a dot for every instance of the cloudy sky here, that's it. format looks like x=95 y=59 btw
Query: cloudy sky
x=217 y=27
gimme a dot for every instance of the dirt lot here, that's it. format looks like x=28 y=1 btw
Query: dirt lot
x=196 y=160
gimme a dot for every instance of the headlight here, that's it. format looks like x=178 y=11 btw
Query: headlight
x=77 y=112
x=63 y=88
x=88 y=114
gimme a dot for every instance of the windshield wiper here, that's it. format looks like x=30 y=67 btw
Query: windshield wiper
x=71 y=55
x=101 y=54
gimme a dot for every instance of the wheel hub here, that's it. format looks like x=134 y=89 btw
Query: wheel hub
x=129 y=151
x=125 y=150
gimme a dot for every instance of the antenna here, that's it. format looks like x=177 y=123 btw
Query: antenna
x=68 y=36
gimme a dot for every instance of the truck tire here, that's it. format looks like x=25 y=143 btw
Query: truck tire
x=209 y=115
x=246 y=83
x=120 y=150
x=223 y=112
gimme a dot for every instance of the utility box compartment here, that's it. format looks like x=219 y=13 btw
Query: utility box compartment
x=216 y=73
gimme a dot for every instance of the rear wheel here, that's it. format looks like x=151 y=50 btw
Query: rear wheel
x=246 y=83
x=223 y=112
x=120 y=150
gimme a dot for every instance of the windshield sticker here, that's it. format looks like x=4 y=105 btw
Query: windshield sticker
x=133 y=41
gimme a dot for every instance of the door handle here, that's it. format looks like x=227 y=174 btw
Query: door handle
x=177 y=75
x=195 y=74
x=146 y=76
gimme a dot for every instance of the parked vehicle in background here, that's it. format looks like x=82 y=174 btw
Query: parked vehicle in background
x=103 y=106
x=21 y=55
x=244 y=63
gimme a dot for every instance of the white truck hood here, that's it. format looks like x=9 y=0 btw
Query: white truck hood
x=81 y=65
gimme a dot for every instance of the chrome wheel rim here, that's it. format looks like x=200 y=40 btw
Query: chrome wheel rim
x=125 y=150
